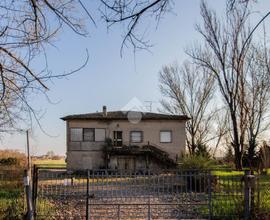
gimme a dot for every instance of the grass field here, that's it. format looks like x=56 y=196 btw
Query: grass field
x=49 y=162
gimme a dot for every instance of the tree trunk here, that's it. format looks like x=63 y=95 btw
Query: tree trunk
x=238 y=160
x=238 y=154
x=193 y=145
x=251 y=153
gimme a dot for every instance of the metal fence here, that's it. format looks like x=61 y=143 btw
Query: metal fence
x=227 y=197
x=102 y=194
x=261 y=197
x=167 y=194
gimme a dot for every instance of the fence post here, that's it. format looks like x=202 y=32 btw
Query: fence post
x=253 y=185
x=26 y=180
x=87 y=196
x=33 y=182
x=149 y=210
x=149 y=200
x=34 y=187
x=258 y=192
x=248 y=196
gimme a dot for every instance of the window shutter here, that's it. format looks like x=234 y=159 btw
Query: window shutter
x=165 y=136
x=136 y=136
x=100 y=134
x=76 y=134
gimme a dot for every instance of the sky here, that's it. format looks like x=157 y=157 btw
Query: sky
x=109 y=79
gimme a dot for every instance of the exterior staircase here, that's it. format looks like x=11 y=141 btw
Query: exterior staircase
x=160 y=155
x=148 y=149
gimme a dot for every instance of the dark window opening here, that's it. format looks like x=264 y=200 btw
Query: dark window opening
x=118 y=138
x=89 y=134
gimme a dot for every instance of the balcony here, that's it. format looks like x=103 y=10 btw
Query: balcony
x=147 y=149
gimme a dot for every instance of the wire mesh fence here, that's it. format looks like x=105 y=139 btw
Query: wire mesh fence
x=227 y=196
x=262 y=198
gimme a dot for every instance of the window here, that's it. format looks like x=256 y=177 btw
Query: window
x=165 y=136
x=88 y=134
x=76 y=134
x=136 y=136
x=117 y=138
x=99 y=134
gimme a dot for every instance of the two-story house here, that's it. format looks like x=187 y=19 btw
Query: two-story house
x=124 y=140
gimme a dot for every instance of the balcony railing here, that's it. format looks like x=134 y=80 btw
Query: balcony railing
x=141 y=148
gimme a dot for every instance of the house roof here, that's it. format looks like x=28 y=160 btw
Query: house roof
x=124 y=115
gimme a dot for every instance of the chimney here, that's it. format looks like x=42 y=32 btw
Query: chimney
x=104 y=110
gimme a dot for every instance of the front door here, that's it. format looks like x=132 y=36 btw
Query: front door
x=118 y=138
x=126 y=163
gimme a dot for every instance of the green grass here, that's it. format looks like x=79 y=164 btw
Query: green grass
x=222 y=173
x=11 y=203
x=229 y=183
x=11 y=193
x=222 y=167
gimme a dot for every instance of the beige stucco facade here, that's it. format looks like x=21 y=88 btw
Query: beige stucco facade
x=89 y=155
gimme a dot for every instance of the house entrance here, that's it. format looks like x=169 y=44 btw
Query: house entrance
x=126 y=163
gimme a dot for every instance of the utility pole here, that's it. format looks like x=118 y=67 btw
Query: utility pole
x=28 y=151
x=27 y=183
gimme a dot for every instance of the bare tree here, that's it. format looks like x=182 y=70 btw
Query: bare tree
x=131 y=14
x=241 y=78
x=220 y=129
x=189 y=90
x=27 y=27
x=257 y=96
x=221 y=56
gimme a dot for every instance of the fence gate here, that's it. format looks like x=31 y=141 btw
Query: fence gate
x=110 y=194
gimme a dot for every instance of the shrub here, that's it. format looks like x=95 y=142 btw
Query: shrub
x=203 y=151
x=9 y=161
x=196 y=162
x=264 y=157
x=194 y=178
x=229 y=156
x=12 y=158
x=56 y=157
